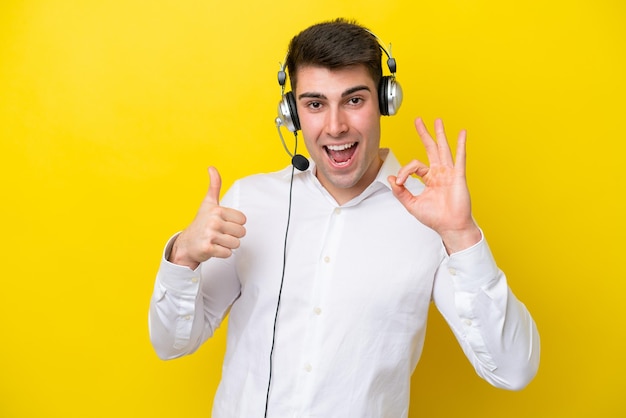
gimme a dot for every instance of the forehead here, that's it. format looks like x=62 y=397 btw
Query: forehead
x=318 y=79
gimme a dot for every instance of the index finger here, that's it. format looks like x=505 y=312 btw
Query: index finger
x=428 y=141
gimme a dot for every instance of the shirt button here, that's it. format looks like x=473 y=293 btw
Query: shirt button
x=337 y=211
x=308 y=367
x=452 y=271
x=187 y=317
x=467 y=322
x=194 y=280
x=317 y=311
x=327 y=259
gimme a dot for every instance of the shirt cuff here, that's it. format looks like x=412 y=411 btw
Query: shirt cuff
x=473 y=268
x=176 y=278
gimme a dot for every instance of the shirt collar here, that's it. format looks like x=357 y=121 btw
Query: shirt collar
x=390 y=166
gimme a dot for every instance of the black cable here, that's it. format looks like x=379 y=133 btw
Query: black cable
x=282 y=279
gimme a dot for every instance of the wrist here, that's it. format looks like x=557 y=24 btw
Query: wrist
x=462 y=239
x=178 y=256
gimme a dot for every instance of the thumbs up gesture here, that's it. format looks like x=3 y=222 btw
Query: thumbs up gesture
x=214 y=232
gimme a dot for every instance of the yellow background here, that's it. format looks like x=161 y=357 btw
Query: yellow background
x=110 y=112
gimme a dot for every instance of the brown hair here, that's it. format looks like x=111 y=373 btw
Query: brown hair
x=334 y=44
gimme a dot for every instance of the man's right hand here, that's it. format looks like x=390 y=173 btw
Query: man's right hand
x=215 y=231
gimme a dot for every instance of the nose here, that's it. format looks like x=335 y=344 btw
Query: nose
x=336 y=122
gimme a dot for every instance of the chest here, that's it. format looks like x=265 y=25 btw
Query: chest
x=374 y=254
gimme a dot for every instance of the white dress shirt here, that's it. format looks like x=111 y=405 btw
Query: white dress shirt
x=358 y=282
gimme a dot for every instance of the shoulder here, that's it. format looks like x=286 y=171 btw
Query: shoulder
x=264 y=180
x=258 y=187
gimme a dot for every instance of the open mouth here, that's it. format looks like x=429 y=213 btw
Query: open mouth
x=341 y=155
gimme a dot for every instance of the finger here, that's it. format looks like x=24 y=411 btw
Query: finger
x=428 y=141
x=215 y=185
x=227 y=242
x=445 y=154
x=400 y=192
x=414 y=167
x=229 y=215
x=221 y=251
x=461 y=152
x=222 y=236
x=234 y=224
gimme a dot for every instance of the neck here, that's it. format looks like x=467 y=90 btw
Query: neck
x=343 y=195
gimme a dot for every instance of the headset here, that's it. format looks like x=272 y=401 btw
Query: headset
x=389 y=93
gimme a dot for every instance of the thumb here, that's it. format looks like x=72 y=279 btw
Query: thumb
x=215 y=185
x=400 y=192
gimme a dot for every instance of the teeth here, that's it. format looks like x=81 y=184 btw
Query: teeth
x=340 y=147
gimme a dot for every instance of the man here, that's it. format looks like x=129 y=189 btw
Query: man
x=328 y=319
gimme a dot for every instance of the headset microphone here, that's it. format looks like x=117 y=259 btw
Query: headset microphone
x=300 y=162
x=297 y=160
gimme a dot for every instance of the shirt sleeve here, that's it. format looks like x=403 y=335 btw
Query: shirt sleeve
x=186 y=308
x=495 y=330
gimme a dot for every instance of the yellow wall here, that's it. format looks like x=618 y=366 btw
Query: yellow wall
x=110 y=112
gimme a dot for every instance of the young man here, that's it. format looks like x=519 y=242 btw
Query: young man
x=328 y=319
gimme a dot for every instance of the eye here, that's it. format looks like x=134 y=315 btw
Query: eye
x=355 y=101
x=314 y=105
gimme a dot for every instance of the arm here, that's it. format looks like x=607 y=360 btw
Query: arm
x=494 y=329
x=187 y=304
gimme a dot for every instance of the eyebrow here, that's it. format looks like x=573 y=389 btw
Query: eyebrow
x=348 y=92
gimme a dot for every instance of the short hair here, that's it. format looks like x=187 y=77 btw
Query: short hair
x=335 y=44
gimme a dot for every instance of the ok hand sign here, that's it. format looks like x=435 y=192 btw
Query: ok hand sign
x=444 y=205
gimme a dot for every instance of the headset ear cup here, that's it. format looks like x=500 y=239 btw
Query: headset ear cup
x=287 y=112
x=383 y=101
x=293 y=110
x=389 y=96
